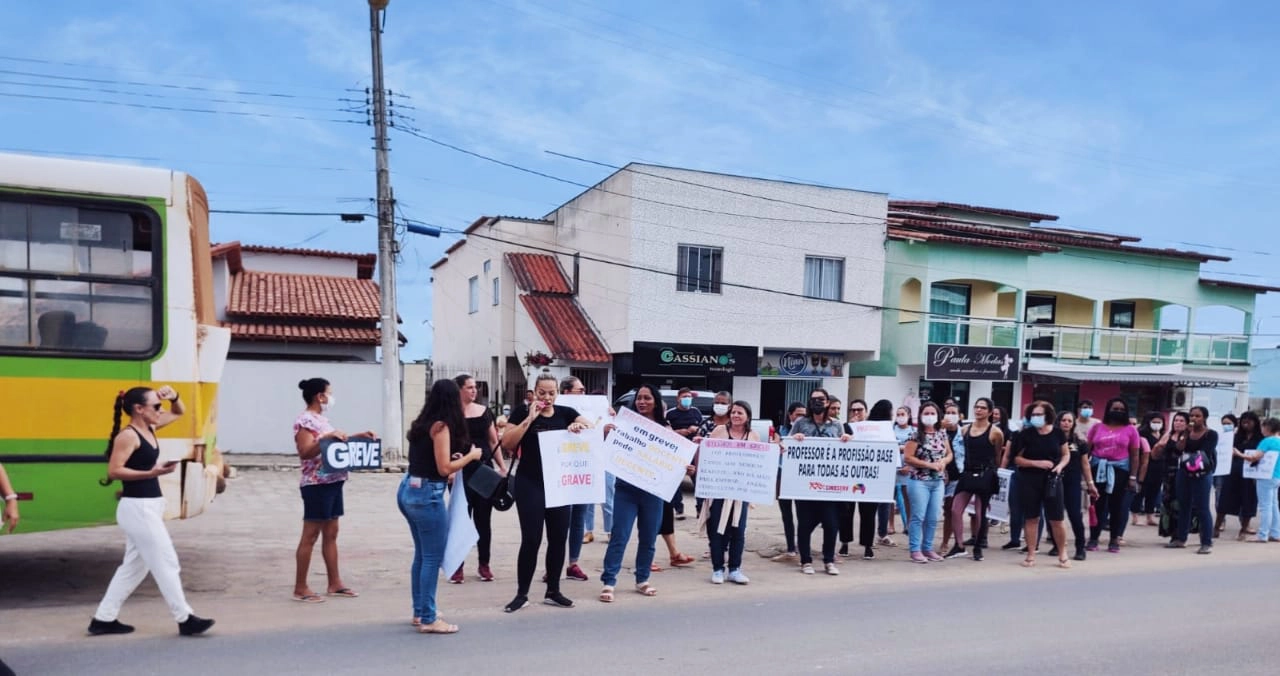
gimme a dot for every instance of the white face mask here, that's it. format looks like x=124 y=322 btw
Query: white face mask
x=720 y=409
x=951 y=418
x=1156 y=426
x=327 y=404
x=929 y=419
x=901 y=420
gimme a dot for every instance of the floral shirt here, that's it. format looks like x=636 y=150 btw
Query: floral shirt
x=313 y=468
x=931 y=449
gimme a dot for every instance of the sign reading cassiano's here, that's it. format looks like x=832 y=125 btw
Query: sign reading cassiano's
x=690 y=359
x=969 y=362
x=828 y=469
x=354 y=453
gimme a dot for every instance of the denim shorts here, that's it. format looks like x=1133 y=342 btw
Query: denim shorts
x=322 y=502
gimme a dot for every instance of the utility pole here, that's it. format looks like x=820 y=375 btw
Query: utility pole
x=392 y=421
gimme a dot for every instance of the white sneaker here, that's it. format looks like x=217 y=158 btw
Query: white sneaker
x=831 y=569
x=807 y=569
x=738 y=577
x=717 y=577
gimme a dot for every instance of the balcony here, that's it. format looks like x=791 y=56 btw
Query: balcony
x=1094 y=346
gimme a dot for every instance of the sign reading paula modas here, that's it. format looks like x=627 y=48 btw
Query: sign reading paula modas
x=970 y=362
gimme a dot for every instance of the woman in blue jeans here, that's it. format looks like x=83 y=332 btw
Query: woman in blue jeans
x=1268 y=511
x=928 y=455
x=438 y=447
x=1197 y=457
x=634 y=508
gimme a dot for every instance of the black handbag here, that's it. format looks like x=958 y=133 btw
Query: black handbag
x=484 y=480
x=983 y=481
x=1053 y=487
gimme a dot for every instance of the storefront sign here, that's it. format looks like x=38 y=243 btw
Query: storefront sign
x=694 y=360
x=800 y=364
x=968 y=362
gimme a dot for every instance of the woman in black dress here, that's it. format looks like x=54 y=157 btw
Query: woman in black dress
x=482 y=433
x=1165 y=451
x=1239 y=496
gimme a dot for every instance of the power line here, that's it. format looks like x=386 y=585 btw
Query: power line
x=167 y=97
x=202 y=76
x=179 y=109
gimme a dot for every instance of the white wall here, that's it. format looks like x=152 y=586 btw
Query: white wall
x=259 y=400
x=299 y=265
x=895 y=388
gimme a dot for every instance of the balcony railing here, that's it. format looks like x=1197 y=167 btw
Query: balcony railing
x=1085 y=344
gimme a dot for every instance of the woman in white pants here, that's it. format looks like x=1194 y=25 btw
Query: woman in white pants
x=134 y=455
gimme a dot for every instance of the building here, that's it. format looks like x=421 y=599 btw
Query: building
x=1264 y=381
x=991 y=302
x=677 y=277
x=295 y=314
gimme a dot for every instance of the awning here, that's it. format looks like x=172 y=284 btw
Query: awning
x=1178 y=379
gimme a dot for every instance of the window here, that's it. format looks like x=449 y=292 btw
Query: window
x=497 y=288
x=953 y=300
x=486 y=267
x=824 y=278
x=698 y=268
x=1122 y=314
x=79 y=277
x=473 y=295
x=1042 y=309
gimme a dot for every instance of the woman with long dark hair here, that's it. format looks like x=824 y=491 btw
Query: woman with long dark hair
x=636 y=508
x=1077 y=479
x=541 y=415
x=1238 y=496
x=133 y=459
x=481 y=432
x=438 y=447
x=727 y=519
x=1197 y=460
x=1147 y=501
x=1166 y=451
x=978 y=479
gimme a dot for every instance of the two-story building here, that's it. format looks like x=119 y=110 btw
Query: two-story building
x=677 y=277
x=990 y=302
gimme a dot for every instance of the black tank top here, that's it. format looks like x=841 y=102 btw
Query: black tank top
x=979 y=452
x=422 y=459
x=478 y=431
x=143 y=459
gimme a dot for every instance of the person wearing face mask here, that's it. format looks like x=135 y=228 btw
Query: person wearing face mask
x=685 y=420
x=1147 y=501
x=1165 y=451
x=720 y=416
x=1197 y=459
x=928 y=455
x=951 y=424
x=1238 y=497
x=1115 y=449
x=727 y=519
x=321 y=491
x=857 y=413
x=795 y=411
x=814 y=512
x=1085 y=422
x=904 y=431
x=1042 y=456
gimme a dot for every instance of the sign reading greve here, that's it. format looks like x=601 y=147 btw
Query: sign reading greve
x=967 y=362
x=737 y=470
x=828 y=469
x=572 y=473
x=647 y=455
x=354 y=453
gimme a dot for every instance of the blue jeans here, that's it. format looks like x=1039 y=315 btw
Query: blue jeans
x=1268 y=508
x=734 y=535
x=926 y=505
x=632 y=507
x=589 y=519
x=1193 y=501
x=577 y=528
x=423 y=507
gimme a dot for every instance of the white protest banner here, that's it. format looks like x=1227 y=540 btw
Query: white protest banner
x=462 y=532
x=1263 y=469
x=828 y=469
x=647 y=455
x=572 y=472
x=593 y=407
x=998 y=505
x=737 y=470
x=1225 y=445
x=873 y=430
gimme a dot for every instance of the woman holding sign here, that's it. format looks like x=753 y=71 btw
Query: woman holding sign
x=928 y=455
x=727 y=520
x=541 y=415
x=1268 y=512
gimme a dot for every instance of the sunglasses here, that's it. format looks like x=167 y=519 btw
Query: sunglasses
x=156 y=406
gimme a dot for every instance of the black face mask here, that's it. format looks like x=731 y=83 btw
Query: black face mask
x=1116 y=418
x=817 y=407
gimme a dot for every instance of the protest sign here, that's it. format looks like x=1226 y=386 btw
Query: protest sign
x=873 y=430
x=1263 y=469
x=462 y=531
x=572 y=473
x=828 y=469
x=647 y=455
x=762 y=426
x=1225 y=446
x=737 y=470
x=357 y=452
x=593 y=407
x=998 y=505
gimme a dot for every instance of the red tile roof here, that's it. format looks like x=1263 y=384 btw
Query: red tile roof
x=274 y=294
x=955 y=206
x=538 y=273
x=291 y=333
x=564 y=327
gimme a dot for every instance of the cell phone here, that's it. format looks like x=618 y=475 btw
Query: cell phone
x=171 y=463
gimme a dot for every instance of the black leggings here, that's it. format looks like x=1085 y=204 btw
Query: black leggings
x=481 y=512
x=1116 y=506
x=813 y=513
x=867 y=513
x=533 y=513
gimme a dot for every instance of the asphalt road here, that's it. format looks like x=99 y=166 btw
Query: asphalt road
x=1201 y=619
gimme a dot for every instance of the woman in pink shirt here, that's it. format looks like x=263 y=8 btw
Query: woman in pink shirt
x=1114 y=445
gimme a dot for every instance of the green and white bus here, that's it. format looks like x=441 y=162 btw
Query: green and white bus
x=105 y=284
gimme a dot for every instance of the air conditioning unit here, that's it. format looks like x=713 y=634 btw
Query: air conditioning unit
x=1182 y=399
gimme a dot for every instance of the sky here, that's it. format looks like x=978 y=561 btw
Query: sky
x=1157 y=120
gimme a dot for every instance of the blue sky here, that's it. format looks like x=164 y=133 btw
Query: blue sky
x=1152 y=119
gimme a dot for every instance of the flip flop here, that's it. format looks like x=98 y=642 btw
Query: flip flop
x=438 y=627
x=308 y=598
x=606 y=595
x=345 y=591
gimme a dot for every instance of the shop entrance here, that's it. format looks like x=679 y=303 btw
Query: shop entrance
x=777 y=394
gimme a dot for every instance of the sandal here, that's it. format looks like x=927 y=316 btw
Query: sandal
x=1029 y=562
x=308 y=598
x=345 y=591
x=646 y=589
x=438 y=627
x=681 y=560
x=606 y=595
x=1064 y=563
x=655 y=568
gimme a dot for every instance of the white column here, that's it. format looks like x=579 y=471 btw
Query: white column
x=1095 y=347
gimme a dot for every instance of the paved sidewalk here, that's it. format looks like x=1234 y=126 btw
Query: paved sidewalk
x=238 y=565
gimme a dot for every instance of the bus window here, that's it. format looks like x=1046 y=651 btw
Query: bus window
x=111 y=308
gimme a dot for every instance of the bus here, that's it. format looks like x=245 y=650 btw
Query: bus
x=105 y=284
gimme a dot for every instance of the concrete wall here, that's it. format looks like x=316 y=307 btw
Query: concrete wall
x=298 y=265
x=259 y=400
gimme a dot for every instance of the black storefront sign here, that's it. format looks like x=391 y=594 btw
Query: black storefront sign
x=969 y=362
x=683 y=359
